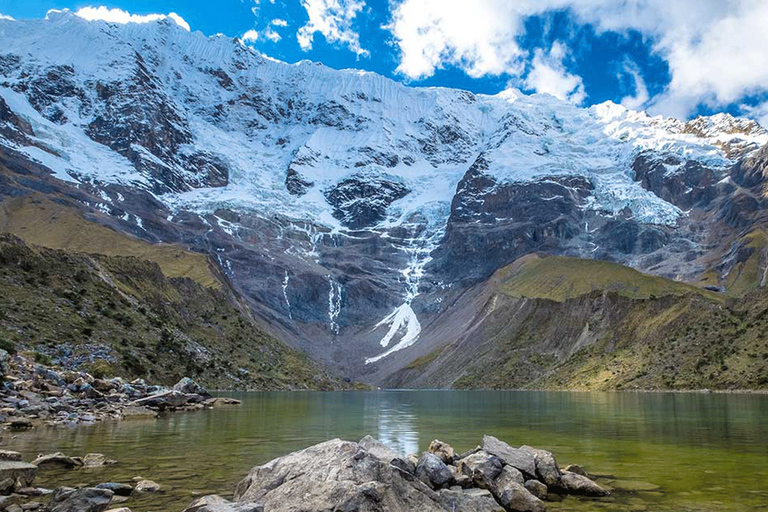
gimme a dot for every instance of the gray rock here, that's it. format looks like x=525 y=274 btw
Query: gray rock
x=57 y=460
x=469 y=500
x=20 y=473
x=520 y=459
x=433 y=471
x=93 y=460
x=334 y=475
x=575 y=468
x=442 y=450
x=573 y=483
x=147 y=486
x=117 y=488
x=547 y=469
x=121 y=509
x=516 y=498
x=88 y=499
x=9 y=455
x=190 y=387
x=537 y=488
x=509 y=474
x=215 y=503
x=163 y=399
x=21 y=423
x=482 y=468
x=378 y=450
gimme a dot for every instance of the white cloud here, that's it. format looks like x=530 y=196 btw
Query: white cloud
x=333 y=19
x=120 y=16
x=715 y=49
x=758 y=112
x=279 y=23
x=4 y=17
x=548 y=75
x=479 y=37
x=250 y=36
x=641 y=97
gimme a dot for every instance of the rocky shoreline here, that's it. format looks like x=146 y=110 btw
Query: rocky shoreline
x=33 y=394
x=334 y=475
x=369 y=477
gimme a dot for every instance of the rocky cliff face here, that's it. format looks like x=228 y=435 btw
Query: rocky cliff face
x=349 y=209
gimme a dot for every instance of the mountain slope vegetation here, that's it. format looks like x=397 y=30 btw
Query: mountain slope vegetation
x=120 y=315
x=565 y=323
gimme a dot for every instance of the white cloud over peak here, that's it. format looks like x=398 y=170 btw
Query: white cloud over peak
x=479 y=37
x=548 y=75
x=250 y=36
x=641 y=97
x=715 y=49
x=333 y=19
x=120 y=16
x=4 y=17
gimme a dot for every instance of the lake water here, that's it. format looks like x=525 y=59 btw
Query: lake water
x=689 y=452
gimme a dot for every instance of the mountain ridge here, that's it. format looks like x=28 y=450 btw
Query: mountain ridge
x=350 y=210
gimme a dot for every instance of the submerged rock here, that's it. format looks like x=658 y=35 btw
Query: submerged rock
x=573 y=483
x=58 y=459
x=147 y=486
x=215 y=503
x=15 y=474
x=88 y=499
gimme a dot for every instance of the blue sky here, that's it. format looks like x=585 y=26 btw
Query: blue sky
x=678 y=57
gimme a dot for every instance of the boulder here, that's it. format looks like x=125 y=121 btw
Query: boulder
x=190 y=387
x=573 y=483
x=57 y=460
x=117 y=488
x=433 y=471
x=93 y=460
x=547 y=469
x=516 y=498
x=215 y=503
x=482 y=468
x=469 y=500
x=442 y=450
x=334 y=475
x=21 y=424
x=147 y=486
x=378 y=450
x=163 y=399
x=20 y=473
x=537 y=488
x=575 y=468
x=9 y=455
x=220 y=400
x=509 y=474
x=121 y=509
x=520 y=459
x=88 y=499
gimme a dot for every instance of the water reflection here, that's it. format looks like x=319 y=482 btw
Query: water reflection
x=392 y=422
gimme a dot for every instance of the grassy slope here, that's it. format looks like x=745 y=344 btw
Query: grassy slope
x=42 y=222
x=560 y=278
x=153 y=326
x=580 y=324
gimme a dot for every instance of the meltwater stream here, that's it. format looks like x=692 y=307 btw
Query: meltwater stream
x=690 y=452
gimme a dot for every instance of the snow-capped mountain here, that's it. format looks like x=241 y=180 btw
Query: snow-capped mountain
x=349 y=207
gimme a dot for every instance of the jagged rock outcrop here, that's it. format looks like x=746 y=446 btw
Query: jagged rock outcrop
x=342 y=475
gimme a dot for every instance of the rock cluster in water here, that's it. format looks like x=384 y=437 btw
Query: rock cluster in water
x=17 y=493
x=34 y=394
x=368 y=476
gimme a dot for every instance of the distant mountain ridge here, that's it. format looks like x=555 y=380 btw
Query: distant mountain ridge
x=352 y=211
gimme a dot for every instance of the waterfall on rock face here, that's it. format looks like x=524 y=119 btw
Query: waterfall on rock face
x=334 y=304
